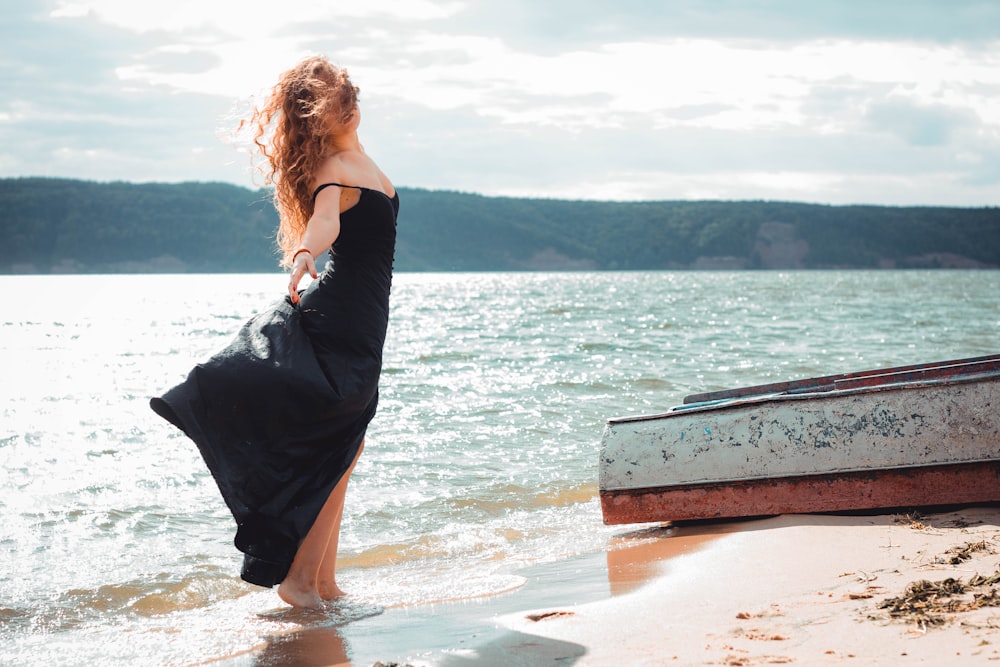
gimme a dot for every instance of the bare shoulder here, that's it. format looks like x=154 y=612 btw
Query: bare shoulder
x=353 y=168
x=334 y=169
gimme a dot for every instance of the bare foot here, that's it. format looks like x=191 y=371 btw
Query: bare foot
x=301 y=597
x=330 y=591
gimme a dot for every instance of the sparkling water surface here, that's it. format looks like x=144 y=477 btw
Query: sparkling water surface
x=116 y=548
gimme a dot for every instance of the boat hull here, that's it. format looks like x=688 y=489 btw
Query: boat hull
x=860 y=441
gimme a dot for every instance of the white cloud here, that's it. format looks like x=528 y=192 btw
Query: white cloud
x=249 y=19
x=585 y=99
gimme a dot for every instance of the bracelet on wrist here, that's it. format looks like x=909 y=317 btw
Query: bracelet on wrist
x=300 y=251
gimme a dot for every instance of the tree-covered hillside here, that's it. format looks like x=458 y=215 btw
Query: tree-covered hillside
x=62 y=225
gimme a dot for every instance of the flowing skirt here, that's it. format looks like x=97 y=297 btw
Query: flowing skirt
x=278 y=416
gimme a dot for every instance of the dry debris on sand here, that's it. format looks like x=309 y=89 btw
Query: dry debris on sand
x=934 y=603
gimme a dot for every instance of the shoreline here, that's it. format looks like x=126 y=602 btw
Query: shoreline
x=802 y=589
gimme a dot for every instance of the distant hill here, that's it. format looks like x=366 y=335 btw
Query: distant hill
x=75 y=226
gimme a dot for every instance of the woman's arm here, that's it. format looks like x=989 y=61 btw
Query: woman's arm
x=322 y=230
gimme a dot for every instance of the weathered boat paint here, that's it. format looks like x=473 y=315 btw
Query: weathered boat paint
x=901 y=437
x=858 y=378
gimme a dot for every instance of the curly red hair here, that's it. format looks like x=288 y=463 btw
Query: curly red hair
x=291 y=130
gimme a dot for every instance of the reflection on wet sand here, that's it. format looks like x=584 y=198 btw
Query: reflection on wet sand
x=637 y=556
x=308 y=647
x=459 y=633
x=319 y=642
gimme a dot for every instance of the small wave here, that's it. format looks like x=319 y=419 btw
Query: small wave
x=435 y=357
x=588 y=385
x=14 y=619
x=498 y=500
x=652 y=383
x=561 y=497
x=449 y=582
x=479 y=507
x=497 y=524
x=161 y=594
x=596 y=347
x=333 y=614
x=420 y=548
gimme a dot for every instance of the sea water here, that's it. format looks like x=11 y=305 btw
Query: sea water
x=116 y=548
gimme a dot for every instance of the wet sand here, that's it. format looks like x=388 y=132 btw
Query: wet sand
x=795 y=589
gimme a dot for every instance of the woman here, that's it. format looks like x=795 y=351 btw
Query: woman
x=280 y=415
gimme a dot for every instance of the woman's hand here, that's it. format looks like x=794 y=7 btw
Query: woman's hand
x=321 y=231
x=302 y=262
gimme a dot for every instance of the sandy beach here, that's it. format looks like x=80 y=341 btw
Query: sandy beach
x=800 y=589
x=795 y=589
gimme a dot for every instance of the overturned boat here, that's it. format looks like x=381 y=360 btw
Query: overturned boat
x=910 y=436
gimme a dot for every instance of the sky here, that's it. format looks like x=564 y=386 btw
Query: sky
x=894 y=102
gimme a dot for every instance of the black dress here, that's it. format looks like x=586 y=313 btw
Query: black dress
x=279 y=414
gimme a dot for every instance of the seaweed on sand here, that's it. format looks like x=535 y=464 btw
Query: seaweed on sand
x=930 y=603
x=957 y=555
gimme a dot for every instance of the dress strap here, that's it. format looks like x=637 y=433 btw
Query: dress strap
x=339 y=185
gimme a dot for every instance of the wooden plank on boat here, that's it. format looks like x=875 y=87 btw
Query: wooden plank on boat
x=903 y=437
x=875 y=376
